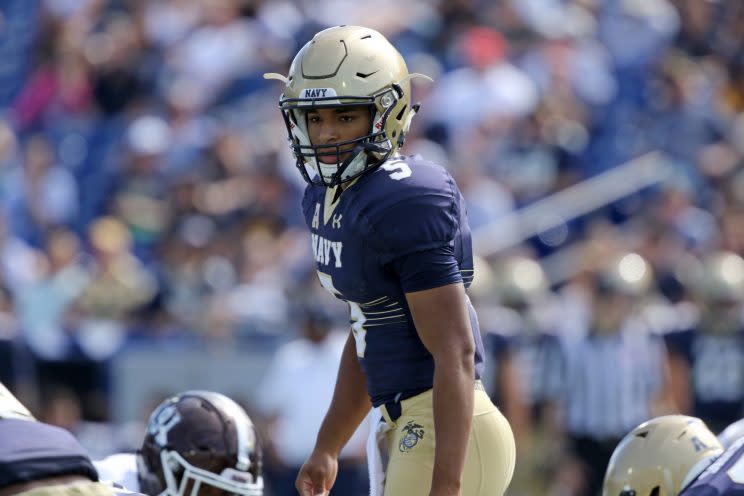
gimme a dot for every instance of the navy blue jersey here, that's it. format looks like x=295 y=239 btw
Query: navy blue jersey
x=717 y=373
x=32 y=450
x=398 y=229
x=724 y=477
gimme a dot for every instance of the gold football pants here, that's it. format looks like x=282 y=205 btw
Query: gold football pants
x=490 y=459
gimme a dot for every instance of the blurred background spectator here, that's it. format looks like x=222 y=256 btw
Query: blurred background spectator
x=303 y=372
x=150 y=229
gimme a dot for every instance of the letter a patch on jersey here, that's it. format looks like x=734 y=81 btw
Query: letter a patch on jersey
x=316 y=217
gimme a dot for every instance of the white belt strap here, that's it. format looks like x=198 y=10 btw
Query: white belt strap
x=377 y=430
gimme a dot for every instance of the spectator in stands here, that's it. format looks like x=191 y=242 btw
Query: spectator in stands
x=118 y=285
x=43 y=195
x=42 y=304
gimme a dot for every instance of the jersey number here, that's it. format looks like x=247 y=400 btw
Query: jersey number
x=357 y=316
x=399 y=170
x=357 y=327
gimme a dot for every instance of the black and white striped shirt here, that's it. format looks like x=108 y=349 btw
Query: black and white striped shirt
x=611 y=381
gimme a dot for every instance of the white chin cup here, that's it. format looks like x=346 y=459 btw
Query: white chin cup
x=355 y=167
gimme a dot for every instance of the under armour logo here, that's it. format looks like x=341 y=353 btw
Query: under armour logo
x=336 y=223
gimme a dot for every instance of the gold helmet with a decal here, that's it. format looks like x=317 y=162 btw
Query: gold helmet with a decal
x=661 y=457
x=347 y=66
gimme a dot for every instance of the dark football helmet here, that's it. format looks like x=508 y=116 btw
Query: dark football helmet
x=200 y=443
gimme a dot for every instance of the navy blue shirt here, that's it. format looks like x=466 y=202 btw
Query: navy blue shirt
x=724 y=477
x=717 y=373
x=398 y=229
x=32 y=450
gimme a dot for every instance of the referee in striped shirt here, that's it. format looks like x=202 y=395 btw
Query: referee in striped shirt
x=616 y=371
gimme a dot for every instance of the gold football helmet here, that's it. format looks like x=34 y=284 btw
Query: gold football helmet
x=660 y=457
x=722 y=278
x=347 y=66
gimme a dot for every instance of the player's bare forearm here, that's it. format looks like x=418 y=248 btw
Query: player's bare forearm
x=349 y=406
x=453 y=413
x=442 y=321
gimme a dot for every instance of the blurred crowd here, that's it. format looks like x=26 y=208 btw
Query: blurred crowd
x=148 y=197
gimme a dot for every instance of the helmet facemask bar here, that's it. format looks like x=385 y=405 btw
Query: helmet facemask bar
x=365 y=153
x=229 y=480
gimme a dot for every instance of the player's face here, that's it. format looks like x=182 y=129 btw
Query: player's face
x=330 y=126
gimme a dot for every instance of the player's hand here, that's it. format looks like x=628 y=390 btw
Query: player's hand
x=317 y=475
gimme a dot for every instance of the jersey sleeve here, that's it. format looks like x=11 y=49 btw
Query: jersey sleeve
x=732 y=433
x=428 y=269
x=415 y=237
x=425 y=218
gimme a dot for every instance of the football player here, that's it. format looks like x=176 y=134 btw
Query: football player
x=707 y=359
x=197 y=443
x=38 y=459
x=675 y=455
x=390 y=236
